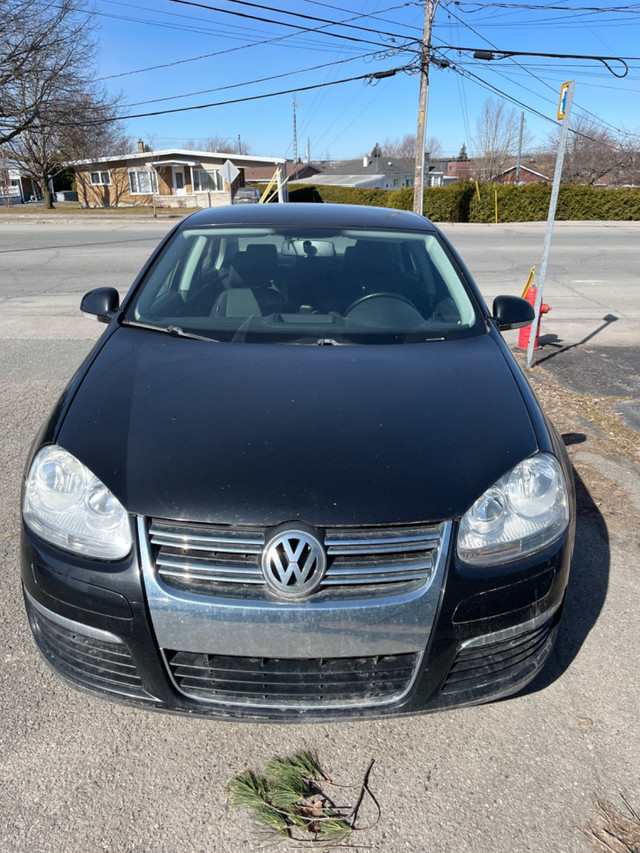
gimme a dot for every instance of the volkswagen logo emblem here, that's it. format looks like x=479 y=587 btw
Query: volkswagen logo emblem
x=293 y=563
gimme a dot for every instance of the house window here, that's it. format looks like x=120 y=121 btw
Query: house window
x=396 y=183
x=207 y=179
x=99 y=178
x=143 y=181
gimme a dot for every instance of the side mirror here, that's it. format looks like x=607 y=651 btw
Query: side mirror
x=512 y=312
x=102 y=303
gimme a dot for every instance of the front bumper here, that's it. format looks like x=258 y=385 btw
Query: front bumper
x=463 y=637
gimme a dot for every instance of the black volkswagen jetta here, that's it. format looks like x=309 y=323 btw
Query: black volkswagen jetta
x=300 y=475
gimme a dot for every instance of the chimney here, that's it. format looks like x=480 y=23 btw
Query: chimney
x=365 y=161
x=140 y=147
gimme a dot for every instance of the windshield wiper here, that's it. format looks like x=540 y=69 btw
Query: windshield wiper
x=179 y=332
x=174 y=331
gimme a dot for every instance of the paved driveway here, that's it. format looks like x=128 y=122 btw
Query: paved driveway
x=79 y=775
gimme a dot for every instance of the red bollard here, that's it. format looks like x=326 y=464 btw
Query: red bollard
x=525 y=333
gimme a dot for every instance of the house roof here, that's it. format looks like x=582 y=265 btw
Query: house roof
x=333 y=178
x=375 y=166
x=265 y=173
x=174 y=156
x=524 y=168
x=151 y=162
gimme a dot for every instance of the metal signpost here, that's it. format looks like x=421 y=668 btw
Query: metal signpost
x=564 y=115
x=229 y=172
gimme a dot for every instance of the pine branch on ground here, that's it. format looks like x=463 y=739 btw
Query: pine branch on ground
x=288 y=803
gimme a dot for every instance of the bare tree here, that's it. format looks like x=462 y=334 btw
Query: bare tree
x=41 y=43
x=75 y=124
x=405 y=148
x=595 y=155
x=55 y=111
x=223 y=144
x=496 y=142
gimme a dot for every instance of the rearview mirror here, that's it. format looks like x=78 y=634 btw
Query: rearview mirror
x=102 y=303
x=512 y=312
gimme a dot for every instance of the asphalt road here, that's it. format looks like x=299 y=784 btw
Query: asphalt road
x=79 y=775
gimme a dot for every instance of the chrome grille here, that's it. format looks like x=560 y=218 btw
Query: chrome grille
x=292 y=682
x=216 y=558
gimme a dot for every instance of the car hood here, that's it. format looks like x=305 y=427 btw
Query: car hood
x=332 y=435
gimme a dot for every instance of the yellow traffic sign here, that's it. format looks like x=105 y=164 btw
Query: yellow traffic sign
x=563 y=100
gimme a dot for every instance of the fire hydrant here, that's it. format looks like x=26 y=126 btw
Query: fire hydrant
x=525 y=333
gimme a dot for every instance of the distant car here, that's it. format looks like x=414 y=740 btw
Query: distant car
x=299 y=476
x=247 y=195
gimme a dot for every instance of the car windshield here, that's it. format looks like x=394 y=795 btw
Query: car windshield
x=310 y=286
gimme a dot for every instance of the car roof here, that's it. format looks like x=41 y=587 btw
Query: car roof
x=298 y=214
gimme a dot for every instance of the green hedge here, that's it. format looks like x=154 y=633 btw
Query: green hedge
x=464 y=202
x=442 y=204
x=339 y=195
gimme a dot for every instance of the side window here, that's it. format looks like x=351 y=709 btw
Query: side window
x=166 y=274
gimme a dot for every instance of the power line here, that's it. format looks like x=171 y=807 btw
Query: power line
x=371 y=78
x=485 y=84
x=634 y=8
x=313 y=17
x=259 y=43
x=374 y=15
x=497 y=54
x=250 y=82
x=595 y=118
x=264 y=20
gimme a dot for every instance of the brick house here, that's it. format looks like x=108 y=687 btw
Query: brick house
x=461 y=170
x=527 y=176
x=175 y=177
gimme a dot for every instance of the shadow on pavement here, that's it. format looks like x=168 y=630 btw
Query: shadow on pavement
x=552 y=340
x=587 y=591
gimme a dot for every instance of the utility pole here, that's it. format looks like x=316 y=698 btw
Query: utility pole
x=423 y=98
x=295 y=130
x=517 y=181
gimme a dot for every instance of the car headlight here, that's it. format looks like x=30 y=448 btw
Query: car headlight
x=523 y=512
x=67 y=505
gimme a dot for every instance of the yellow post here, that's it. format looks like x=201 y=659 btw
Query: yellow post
x=478 y=190
x=273 y=180
x=267 y=198
x=496 y=207
x=528 y=284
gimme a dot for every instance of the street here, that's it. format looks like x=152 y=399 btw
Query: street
x=79 y=775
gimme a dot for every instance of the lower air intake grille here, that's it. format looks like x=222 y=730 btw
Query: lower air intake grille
x=106 y=665
x=291 y=682
x=479 y=665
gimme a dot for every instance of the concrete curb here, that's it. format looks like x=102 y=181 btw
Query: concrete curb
x=78 y=220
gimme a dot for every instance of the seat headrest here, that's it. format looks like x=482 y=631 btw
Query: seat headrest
x=254 y=267
x=368 y=256
x=265 y=253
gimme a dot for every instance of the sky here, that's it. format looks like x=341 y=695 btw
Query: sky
x=166 y=55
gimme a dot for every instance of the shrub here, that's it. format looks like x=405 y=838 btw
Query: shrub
x=615 y=203
x=515 y=203
x=466 y=202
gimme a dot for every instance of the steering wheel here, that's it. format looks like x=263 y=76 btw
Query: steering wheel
x=399 y=297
